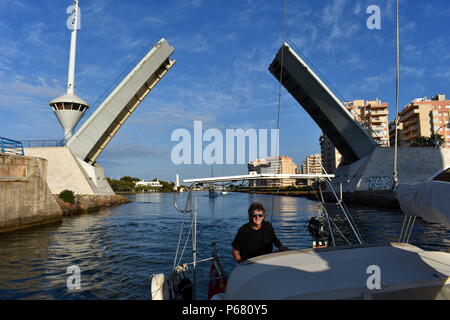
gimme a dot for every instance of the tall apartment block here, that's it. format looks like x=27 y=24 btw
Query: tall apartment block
x=330 y=156
x=312 y=165
x=373 y=117
x=423 y=117
x=281 y=165
x=375 y=114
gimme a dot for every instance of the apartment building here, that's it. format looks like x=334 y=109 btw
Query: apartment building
x=423 y=117
x=375 y=115
x=373 y=118
x=281 y=165
x=330 y=156
x=312 y=165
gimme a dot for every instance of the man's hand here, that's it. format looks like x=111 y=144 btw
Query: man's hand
x=236 y=255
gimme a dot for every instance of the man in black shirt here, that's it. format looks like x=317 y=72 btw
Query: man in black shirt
x=256 y=237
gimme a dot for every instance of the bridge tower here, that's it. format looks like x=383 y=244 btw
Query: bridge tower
x=69 y=108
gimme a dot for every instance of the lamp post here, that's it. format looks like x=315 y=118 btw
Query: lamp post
x=437 y=132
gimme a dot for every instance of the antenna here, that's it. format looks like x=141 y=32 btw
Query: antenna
x=69 y=108
x=73 y=49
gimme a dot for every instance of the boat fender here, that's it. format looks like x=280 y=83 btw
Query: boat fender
x=157 y=286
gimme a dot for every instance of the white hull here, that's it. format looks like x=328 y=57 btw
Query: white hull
x=406 y=272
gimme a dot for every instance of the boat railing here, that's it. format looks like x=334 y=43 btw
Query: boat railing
x=191 y=209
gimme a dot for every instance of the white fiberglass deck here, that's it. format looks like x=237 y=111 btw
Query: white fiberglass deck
x=407 y=272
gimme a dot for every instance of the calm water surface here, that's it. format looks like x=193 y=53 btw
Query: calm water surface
x=118 y=248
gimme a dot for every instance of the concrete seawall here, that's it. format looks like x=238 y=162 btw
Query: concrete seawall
x=25 y=198
x=87 y=203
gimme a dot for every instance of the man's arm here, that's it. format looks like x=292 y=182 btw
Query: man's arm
x=236 y=255
x=277 y=242
x=237 y=243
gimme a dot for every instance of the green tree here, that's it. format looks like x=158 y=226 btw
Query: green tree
x=434 y=141
x=130 y=179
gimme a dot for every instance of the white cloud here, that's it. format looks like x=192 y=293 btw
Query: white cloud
x=373 y=83
x=412 y=71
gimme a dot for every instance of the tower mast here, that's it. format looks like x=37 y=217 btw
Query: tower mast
x=73 y=49
x=69 y=108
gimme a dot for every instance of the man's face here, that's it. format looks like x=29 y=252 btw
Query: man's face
x=257 y=217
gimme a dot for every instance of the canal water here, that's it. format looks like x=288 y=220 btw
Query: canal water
x=117 y=249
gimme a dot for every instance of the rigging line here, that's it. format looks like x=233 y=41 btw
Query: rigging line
x=317 y=70
x=343 y=206
x=346 y=214
x=186 y=242
x=190 y=229
x=187 y=205
x=397 y=87
x=179 y=241
x=353 y=221
x=277 y=146
x=334 y=89
x=326 y=215
x=403 y=227
x=342 y=235
x=116 y=80
x=331 y=219
x=406 y=230
x=410 y=231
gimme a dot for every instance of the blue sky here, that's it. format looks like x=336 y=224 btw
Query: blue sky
x=223 y=49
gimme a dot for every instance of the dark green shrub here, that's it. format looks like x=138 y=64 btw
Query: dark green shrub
x=67 y=196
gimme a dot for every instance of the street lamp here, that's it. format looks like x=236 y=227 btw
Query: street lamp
x=437 y=132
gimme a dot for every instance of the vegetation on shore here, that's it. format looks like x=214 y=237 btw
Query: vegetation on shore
x=67 y=196
x=434 y=141
x=128 y=184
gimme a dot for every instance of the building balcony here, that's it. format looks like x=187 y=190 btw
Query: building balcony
x=377 y=120
x=408 y=115
x=378 y=112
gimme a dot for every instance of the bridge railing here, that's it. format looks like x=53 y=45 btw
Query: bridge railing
x=11 y=146
x=43 y=143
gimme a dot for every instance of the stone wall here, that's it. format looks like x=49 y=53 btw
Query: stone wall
x=86 y=203
x=25 y=198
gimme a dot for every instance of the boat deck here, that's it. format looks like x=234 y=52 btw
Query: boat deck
x=406 y=272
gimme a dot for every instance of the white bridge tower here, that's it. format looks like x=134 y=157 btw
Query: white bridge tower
x=69 y=108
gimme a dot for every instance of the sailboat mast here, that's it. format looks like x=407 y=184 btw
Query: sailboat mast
x=397 y=86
